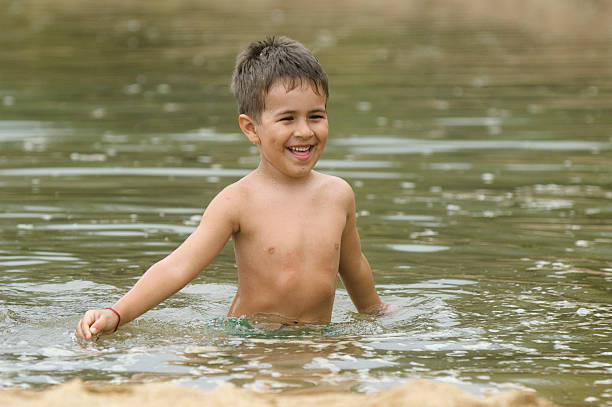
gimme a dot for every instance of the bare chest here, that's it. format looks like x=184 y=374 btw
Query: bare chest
x=293 y=233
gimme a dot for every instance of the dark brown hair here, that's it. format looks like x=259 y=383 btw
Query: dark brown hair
x=265 y=62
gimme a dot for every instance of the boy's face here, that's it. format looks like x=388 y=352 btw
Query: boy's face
x=292 y=131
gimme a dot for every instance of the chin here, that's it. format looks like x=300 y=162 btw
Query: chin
x=301 y=173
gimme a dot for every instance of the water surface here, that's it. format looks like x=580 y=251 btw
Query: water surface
x=478 y=143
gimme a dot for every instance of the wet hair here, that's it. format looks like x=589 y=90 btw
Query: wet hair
x=263 y=63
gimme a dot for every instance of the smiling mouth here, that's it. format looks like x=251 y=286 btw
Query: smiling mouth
x=300 y=149
x=301 y=152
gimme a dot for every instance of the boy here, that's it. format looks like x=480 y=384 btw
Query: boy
x=293 y=228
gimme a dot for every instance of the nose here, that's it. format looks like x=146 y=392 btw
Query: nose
x=303 y=129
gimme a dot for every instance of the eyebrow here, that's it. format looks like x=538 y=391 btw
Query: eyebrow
x=293 y=112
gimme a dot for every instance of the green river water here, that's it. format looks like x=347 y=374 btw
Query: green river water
x=477 y=136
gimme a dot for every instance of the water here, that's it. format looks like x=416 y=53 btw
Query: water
x=478 y=140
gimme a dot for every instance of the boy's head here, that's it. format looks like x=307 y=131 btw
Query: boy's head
x=263 y=63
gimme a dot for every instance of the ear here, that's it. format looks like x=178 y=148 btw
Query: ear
x=249 y=128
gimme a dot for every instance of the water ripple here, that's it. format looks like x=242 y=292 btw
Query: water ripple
x=119 y=227
x=168 y=172
x=396 y=145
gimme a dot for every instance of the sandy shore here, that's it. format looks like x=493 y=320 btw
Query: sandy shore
x=421 y=393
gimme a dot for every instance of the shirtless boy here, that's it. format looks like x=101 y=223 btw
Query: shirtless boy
x=293 y=228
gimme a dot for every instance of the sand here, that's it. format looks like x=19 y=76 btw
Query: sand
x=420 y=393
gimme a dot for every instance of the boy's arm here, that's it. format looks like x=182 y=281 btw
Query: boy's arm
x=354 y=268
x=172 y=273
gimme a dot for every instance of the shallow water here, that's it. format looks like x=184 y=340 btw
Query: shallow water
x=479 y=146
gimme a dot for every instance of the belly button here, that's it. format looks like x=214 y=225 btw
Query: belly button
x=271 y=250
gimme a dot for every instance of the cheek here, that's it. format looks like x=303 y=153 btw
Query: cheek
x=274 y=142
x=322 y=131
x=279 y=144
x=323 y=137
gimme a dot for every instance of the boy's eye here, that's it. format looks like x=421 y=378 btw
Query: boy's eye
x=317 y=116
x=286 y=118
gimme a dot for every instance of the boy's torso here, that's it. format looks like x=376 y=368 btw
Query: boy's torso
x=288 y=248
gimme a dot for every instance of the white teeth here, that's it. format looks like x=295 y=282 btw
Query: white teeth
x=300 y=149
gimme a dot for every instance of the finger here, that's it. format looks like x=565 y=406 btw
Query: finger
x=88 y=320
x=81 y=332
x=83 y=329
x=99 y=325
x=85 y=323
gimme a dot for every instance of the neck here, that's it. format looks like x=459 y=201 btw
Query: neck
x=282 y=179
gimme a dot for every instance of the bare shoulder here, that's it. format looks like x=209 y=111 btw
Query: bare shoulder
x=229 y=202
x=245 y=186
x=231 y=193
x=336 y=188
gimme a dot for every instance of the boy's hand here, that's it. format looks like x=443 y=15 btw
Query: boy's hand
x=387 y=309
x=381 y=309
x=95 y=322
